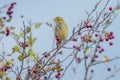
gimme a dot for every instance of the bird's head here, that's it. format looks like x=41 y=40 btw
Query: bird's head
x=59 y=20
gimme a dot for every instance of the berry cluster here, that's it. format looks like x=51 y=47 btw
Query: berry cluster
x=109 y=36
x=7 y=31
x=100 y=49
x=5 y=68
x=18 y=78
x=76 y=47
x=89 y=26
x=24 y=44
x=74 y=39
x=58 y=75
x=10 y=10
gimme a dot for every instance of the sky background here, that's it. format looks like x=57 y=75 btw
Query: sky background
x=73 y=11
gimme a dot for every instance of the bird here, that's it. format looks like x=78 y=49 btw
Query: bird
x=61 y=30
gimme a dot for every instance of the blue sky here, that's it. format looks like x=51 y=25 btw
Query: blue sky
x=73 y=11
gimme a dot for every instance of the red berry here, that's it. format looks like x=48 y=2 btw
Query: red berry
x=59 y=73
x=110 y=8
x=111 y=43
x=7 y=31
x=58 y=38
x=17 y=78
x=4 y=18
x=102 y=50
x=90 y=26
x=98 y=46
x=7 y=67
x=10 y=8
x=3 y=69
x=45 y=77
x=11 y=12
x=14 y=3
x=78 y=60
x=96 y=56
x=38 y=79
x=107 y=39
x=112 y=37
x=28 y=69
x=86 y=57
x=92 y=71
x=101 y=39
x=76 y=47
x=83 y=38
x=57 y=76
x=111 y=33
x=8 y=13
x=109 y=69
x=7 y=34
x=74 y=39
x=26 y=44
x=96 y=35
x=35 y=71
x=10 y=16
x=87 y=26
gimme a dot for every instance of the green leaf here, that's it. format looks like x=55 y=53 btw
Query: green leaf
x=31 y=40
x=2 y=23
x=7 y=78
x=28 y=30
x=15 y=35
x=37 y=25
x=33 y=55
x=58 y=68
x=86 y=50
x=34 y=39
x=12 y=28
x=11 y=61
x=20 y=57
x=16 y=48
x=21 y=34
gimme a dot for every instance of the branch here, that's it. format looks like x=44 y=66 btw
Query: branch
x=100 y=62
x=113 y=74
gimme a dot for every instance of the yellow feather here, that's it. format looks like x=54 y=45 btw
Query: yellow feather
x=61 y=29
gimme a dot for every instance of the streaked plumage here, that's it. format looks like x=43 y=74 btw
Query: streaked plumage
x=61 y=29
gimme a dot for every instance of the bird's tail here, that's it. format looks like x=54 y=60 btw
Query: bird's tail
x=58 y=44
